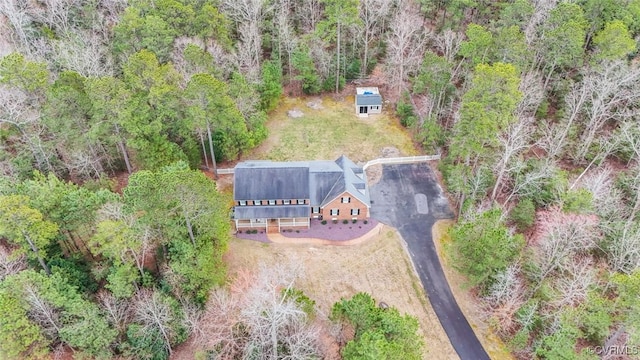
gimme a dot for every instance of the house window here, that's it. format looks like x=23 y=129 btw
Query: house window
x=355 y=212
x=257 y=202
x=286 y=202
x=335 y=212
x=315 y=210
x=242 y=202
x=346 y=200
x=272 y=202
x=300 y=201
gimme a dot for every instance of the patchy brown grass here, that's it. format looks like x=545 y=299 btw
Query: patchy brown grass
x=468 y=303
x=330 y=132
x=379 y=267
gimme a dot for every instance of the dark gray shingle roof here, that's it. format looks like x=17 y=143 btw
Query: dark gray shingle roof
x=318 y=181
x=350 y=182
x=260 y=180
x=272 y=212
x=367 y=100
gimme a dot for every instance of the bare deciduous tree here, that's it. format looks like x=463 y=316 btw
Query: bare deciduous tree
x=155 y=314
x=564 y=236
x=613 y=90
x=530 y=182
x=572 y=287
x=9 y=264
x=138 y=244
x=607 y=199
x=57 y=15
x=43 y=313
x=308 y=13
x=623 y=247
x=506 y=296
x=629 y=135
x=272 y=320
x=532 y=91
x=554 y=138
x=17 y=110
x=84 y=54
x=248 y=16
x=513 y=141
x=17 y=13
x=373 y=14
x=448 y=43
x=118 y=311
x=405 y=45
x=287 y=41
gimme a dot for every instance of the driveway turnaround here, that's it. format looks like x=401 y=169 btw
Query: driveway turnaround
x=409 y=198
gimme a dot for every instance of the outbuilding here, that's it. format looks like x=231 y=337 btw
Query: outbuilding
x=368 y=101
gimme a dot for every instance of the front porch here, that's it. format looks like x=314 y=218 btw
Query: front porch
x=272 y=225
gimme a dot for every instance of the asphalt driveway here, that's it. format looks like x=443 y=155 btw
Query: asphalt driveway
x=409 y=198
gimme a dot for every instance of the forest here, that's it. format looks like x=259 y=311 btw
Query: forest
x=533 y=104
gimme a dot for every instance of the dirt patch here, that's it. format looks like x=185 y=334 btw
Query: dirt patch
x=374 y=174
x=390 y=151
x=469 y=304
x=121 y=180
x=315 y=104
x=295 y=113
x=379 y=266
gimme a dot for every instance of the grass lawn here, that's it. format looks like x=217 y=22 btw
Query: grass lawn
x=329 y=132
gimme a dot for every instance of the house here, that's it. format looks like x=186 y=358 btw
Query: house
x=368 y=101
x=273 y=195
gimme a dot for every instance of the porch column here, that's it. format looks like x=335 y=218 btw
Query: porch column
x=278 y=225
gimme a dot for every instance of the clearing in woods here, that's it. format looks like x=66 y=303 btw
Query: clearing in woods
x=379 y=266
x=328 y=131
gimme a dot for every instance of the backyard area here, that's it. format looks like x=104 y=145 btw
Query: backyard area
x=379 y=266
x=327 y=129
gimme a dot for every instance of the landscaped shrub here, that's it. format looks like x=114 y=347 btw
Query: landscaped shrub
x=324 y=222
x=345 y=221
x=366 y=222
x=297 y=231
x=335 y=221
x=239 y=231
x=354 y=221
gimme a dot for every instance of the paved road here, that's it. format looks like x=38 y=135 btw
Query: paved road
x=408 y=197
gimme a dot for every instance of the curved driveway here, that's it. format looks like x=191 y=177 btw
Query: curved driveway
x=409 y=198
